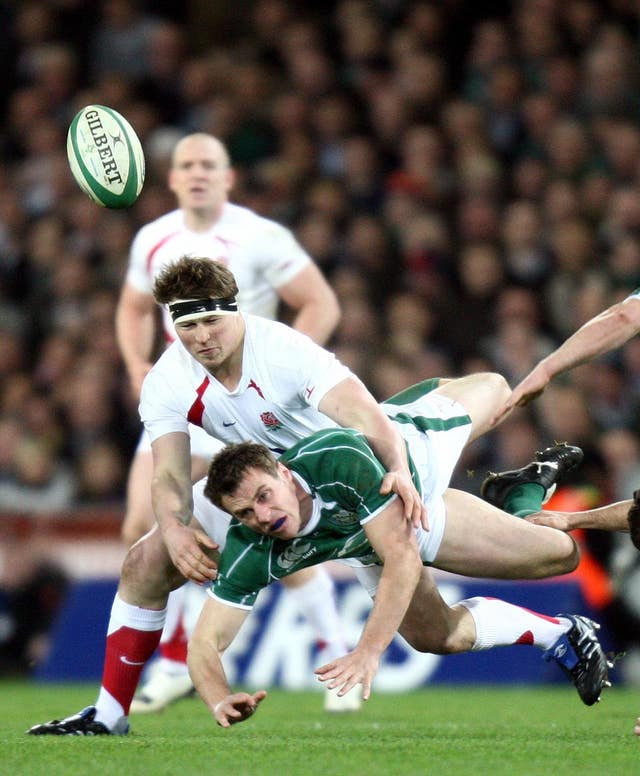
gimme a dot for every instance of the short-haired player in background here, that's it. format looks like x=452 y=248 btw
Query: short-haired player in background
x=270 y=267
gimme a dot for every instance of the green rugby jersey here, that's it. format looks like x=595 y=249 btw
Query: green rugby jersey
x=339 y=469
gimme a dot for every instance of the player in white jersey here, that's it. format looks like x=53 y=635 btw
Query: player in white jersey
x=270 y=266
x=274 y=400
x=212 y=336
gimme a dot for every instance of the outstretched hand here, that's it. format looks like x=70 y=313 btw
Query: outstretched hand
x=237 y=707
x=346 y=672
x=414 y=509
x=557 y=520
x=190 y=550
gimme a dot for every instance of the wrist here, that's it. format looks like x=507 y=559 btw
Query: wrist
x=169 y=523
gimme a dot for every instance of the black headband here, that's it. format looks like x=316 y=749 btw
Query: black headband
x=189 y=309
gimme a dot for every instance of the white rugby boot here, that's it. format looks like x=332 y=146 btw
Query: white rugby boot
x=336 y=704
x=161 y=690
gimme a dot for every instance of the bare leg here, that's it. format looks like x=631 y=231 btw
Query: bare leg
x=170 y=679
x=138 y=517
x=483 y=541
x=431 y=625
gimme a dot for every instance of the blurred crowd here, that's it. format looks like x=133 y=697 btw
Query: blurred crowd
x=465 y=173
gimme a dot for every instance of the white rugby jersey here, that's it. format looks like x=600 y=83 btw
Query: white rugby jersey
x=284 y=377
x=261 y=253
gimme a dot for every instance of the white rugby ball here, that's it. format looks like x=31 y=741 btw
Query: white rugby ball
x=105 y=156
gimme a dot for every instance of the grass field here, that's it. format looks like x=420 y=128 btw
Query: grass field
x=437 y=731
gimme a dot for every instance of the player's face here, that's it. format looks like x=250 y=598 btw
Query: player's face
x=214 y=340
x=200 y=175
x=268 y=505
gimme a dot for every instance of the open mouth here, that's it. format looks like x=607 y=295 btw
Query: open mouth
x=278 y=524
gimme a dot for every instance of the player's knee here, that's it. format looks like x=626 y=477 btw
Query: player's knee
x=568 y=555
x=147 y=571
x=562 y=559
x=433 y=639
x=448 y=644
x=446 y=631
x=497 y=386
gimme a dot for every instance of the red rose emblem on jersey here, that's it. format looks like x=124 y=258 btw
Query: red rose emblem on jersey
x=270 y=420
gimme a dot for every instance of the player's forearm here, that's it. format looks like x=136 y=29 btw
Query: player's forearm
x=135 y=334
x=388 y=444
x=207 y=672
x=136 y=338
x=318 y=318
x=352 y=406
x=612 y=517
x=215 y=630
x=400 y=577
x=604 y=333
x=172 y=499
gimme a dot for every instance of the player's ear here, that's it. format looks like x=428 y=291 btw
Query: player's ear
x=283 y=472
x=230 y=178
x=170 y=179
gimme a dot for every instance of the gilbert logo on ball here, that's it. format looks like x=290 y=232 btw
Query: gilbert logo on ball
x=105 y=156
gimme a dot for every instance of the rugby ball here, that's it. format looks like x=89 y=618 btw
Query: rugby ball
x=105 y=156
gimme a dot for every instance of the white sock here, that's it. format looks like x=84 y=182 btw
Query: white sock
x=124 y=615
x=316 y=601
x=500 y=624
x=108 y=710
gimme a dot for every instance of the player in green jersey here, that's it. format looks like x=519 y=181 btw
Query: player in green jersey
x=321 y=500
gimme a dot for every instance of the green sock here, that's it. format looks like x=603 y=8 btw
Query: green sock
x=523 y=500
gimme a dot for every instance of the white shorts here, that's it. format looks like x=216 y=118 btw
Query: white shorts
x=435 y=453
x=203 y=445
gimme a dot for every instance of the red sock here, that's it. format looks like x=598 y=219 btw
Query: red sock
x=176 y=647
x=127 y=651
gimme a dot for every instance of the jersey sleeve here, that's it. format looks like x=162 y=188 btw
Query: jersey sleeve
x=317 y=369
x=284 y=257
x=324 y=373
x=224 y=590
x=359 y=474
x=243 y=567
x=160 y=406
